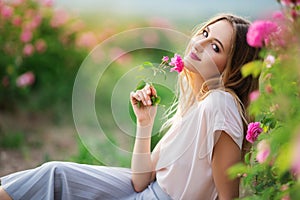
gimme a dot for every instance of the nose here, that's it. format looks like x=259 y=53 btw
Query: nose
x=199 y=44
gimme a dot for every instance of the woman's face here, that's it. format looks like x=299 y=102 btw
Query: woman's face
x=210 y=49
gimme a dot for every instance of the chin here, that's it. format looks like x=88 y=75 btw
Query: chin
x=189 y=68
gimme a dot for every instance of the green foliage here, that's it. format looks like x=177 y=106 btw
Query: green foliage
x=278 y=110
x=39 y=55
x=84 y=156
x=253 y=68
x=12 y=140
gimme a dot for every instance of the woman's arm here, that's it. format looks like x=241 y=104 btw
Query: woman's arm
x=141 y=163
x=226 y=153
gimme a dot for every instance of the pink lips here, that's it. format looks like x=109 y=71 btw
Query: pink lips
x=194 y=56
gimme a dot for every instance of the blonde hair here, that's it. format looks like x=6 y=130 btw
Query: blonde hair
x=231 y=80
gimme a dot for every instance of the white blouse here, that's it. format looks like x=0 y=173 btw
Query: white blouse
x=183 y=169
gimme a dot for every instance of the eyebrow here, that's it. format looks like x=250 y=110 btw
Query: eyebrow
x=218 y=41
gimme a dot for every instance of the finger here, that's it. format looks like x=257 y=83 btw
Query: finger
x=153 y=91
x=141 y=96
x=148 y=89
x=135 y=97
x=146 y=95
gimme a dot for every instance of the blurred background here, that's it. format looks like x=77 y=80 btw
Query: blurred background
x=43 y=43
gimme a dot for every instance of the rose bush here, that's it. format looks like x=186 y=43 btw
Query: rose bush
x=271 y=167
x=41 y=48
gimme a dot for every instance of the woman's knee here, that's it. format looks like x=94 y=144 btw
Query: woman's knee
x=54 y=166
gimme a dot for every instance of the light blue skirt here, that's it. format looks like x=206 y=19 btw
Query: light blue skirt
x=72 y=181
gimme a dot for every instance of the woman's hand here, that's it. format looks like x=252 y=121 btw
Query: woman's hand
x=142 y=105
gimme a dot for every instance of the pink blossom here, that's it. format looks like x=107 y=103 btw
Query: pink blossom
x=268 y=89
x=286 y=197
x=290 y=2
x=254 y=95
x=40 y=45
x=28 y=50
x=284 y=187
x=25 y=79
x=87 y=40
x=260 y=32
x=263 y=148
x=18 y=2
x=177 y=63
x=165 y=59
x=296 y=157
x=294 y=14
x=26 y=36
x=116 y=52
x=119 y=55
x=59 y=18
x=270 y=60
x=278 y=15
x=7 y=11
x=253 y=131
x=17 y=21
x=47 y=3
x=36 y=21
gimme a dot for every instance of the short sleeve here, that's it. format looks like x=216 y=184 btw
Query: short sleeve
x=221 y=113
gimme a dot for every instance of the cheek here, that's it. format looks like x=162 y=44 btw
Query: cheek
x=220 y=63
x=206 y=68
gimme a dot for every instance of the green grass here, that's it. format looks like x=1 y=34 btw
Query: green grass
x=12 y=140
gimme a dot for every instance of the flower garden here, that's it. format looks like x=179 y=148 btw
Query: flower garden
x=42 y=48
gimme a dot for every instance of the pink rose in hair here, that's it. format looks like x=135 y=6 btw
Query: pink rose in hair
x=253 y=131
x=177 y=63
x=259 y=33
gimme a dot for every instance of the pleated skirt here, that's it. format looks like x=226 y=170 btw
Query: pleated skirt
x=72 y=181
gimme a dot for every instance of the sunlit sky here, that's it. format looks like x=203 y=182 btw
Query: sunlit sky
x=172 y=9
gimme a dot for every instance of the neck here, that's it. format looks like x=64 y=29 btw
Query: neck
x=196 y=81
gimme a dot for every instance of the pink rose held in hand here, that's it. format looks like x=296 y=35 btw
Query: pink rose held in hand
x=253 y=131
x=177 y=63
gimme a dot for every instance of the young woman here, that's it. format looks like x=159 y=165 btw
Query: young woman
x=204 y=137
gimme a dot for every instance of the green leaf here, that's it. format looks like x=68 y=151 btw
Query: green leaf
x=147 y=64
x=140 y=85
x=247 y=158
x=155 y=100
x=252 y=68
x=165 y=94
x=237 y=170
x=283 y=160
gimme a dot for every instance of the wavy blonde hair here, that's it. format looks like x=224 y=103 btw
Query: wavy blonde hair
x=231 y=80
